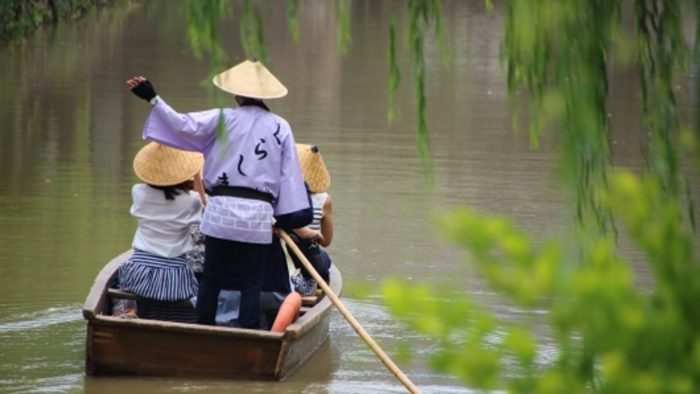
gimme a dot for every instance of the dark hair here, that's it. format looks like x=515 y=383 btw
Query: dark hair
x=171 y=191
x=254 y=102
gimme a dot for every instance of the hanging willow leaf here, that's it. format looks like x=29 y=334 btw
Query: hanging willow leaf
x=558 y=52
x=203 y=18
x=394 y=73
x=221 y=125
x=662 y=51
x=421 y=14
x=293 y=19
x=696 y=66
x=342 y=18
x=439 y=31
x=251 y=31
x=489 y=6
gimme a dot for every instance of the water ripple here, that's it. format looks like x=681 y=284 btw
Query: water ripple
x=42 y=319
x=52 y=384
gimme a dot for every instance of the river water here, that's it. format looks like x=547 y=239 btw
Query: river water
x=69 y=129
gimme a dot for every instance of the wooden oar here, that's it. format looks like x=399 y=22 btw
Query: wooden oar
x=348 y=316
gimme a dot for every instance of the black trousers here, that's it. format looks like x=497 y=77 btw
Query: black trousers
x=246 y=263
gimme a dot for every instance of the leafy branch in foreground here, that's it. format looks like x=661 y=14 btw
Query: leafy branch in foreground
x=610 y=336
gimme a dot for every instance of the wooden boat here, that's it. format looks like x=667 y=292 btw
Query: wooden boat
x=117 y=346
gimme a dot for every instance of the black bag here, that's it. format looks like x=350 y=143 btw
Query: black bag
x=313 y=252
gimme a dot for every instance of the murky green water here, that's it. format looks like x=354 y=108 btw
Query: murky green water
x=69 y=129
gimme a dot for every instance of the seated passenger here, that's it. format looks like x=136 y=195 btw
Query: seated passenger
x=312 y=238
x=165 y=207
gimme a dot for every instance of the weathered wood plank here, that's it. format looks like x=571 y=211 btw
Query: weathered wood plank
x=139 y=346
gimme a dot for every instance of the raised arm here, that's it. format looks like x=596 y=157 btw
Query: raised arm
x=194 y=131
x=142 y=88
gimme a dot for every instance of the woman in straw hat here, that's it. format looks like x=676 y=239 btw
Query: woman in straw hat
x=319 y=233
x=251 y=174
x=165 y=207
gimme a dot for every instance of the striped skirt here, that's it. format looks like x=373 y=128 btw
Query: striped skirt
x=157 y=278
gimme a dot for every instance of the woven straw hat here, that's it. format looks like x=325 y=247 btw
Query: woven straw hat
x=250 y=79
x=314 y=168
x=160 y=165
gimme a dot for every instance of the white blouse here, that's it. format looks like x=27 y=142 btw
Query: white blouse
x=317 y=202
x=164 y=225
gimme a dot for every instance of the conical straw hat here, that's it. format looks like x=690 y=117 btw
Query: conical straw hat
x=160 y=165
x=314 y=168
x=250 y=79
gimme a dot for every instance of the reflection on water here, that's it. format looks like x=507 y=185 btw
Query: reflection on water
x=42 y=351
x=70 y=129
x=42 y=319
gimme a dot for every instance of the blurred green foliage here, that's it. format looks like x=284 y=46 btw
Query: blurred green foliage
x=610 y=336
x=21 y=17
x=203 y=28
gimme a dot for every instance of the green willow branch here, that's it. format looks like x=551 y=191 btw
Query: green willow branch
x=251 y=30
x=293 y=19
x=342 y=19
x=394 y=74
x=696 y=65
x=421 y=14
x=562 y=62
x=662 y=50
x=203 y=19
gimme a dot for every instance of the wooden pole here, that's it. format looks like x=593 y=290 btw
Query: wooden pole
x=383 y=357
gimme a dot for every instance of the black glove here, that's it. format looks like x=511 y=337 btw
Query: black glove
x=145 y=90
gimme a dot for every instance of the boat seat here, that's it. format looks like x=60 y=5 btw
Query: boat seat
x=177 y=311
x=116 y=293
x=312 y=300
x=308 y=302
x=303 y=310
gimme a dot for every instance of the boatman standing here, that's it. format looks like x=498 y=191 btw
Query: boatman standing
x=251 y=174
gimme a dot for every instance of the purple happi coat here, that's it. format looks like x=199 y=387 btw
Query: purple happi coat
x=254 y=148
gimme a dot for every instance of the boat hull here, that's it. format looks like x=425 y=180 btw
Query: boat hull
x=157 y=348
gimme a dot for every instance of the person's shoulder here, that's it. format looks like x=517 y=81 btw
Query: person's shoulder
x=192 y=195
x=140 y=188
x=228 y=111
x=141 y=194
x=279 y=119
x=276 y=124
x=322 y=198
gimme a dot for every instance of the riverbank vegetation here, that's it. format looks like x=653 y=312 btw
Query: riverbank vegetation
x=610 y=334
x=19 y=18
